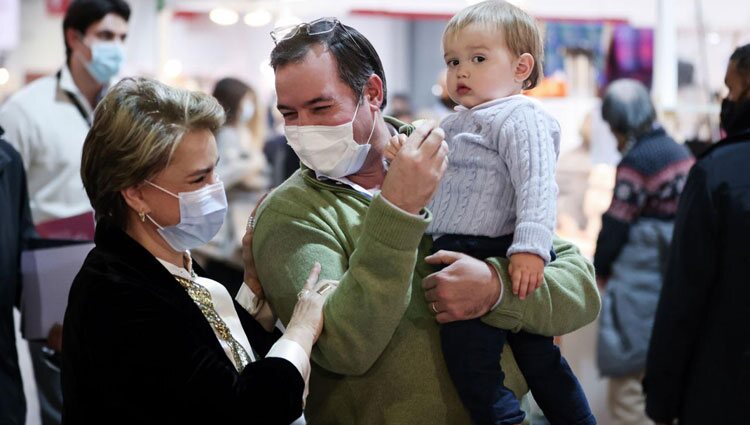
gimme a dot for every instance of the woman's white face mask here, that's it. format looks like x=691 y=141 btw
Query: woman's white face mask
x=329 y=149
x=202 y=214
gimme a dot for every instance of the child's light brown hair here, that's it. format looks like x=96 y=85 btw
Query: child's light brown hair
x=519 y=29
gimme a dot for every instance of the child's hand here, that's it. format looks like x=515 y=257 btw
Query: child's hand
x=526 y=272
x=394 y=145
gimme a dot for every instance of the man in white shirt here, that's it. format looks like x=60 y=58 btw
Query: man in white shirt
x=47 y=122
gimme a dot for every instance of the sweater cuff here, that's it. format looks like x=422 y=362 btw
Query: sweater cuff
x=258 y=308
x=509 y=312
x=421 y=214
x=532 y=238
x=394 y=227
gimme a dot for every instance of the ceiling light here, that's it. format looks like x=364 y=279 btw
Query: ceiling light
x=4 y=76
x=224 y=16
x=713 y=38
x=258 y=18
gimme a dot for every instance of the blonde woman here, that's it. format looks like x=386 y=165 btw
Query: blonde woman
x=147 y=338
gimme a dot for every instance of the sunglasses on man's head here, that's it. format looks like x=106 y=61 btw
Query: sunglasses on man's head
x=318 y=26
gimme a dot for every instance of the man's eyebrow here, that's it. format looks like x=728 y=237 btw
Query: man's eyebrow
x=310 y=102
x=318 y=100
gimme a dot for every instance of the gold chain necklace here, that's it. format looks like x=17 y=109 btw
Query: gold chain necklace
x=202 y=297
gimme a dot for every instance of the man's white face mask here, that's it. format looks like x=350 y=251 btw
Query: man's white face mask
x=329 y=149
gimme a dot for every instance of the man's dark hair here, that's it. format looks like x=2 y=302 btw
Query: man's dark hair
x=741 y=59
x=82 y=14
x=356 y=59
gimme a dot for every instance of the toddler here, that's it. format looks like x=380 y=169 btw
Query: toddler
x=497 y=198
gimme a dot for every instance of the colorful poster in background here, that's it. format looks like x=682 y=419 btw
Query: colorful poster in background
x=10 y=24
x=57 y=7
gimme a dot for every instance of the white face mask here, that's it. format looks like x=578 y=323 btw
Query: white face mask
x=106 y=61
x=248 y=111
x=202 y=214
x=329 y=150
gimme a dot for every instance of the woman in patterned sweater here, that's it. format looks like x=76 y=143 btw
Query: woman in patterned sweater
x=635 y=236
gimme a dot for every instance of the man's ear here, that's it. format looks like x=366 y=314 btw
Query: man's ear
x=133 y=196
x=524 y=67
x=374 y=92
x=73 y=38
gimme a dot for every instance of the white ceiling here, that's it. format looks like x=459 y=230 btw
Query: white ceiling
x=720 y=15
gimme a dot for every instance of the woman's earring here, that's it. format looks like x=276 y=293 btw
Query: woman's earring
x=142 y=215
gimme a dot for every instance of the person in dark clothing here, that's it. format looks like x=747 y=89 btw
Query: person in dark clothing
x=284 y=161
x=632 y=245
x=46 y=122
x=148 y=337
x=16 y=228
x=698 y=368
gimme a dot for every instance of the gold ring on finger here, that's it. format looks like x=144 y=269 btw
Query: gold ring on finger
x=302 y=293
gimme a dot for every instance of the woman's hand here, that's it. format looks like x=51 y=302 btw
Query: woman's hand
x=307 y=317
x=251 y=274
x=306 y=323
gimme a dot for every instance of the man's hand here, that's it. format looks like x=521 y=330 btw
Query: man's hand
x=415 y=172
x=465 y=289
x=251 y=274
x=526 y=272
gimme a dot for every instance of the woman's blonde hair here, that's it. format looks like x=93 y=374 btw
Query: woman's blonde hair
x=519 y=29
x=137 y=127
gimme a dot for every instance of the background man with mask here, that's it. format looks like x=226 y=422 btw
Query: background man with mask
x=379 y=360
x=47 y=122
x=698 y=367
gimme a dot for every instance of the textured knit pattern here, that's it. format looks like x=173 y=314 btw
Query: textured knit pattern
x=649 y=181
x=501 y=174
x=378 y=360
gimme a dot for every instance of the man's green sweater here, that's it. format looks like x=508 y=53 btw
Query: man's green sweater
x=378 y=360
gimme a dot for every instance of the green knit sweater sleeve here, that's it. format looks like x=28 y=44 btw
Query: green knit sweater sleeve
x=568 y=299
x=374 y=271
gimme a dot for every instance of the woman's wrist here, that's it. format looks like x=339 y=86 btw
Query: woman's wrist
x=302 y=335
